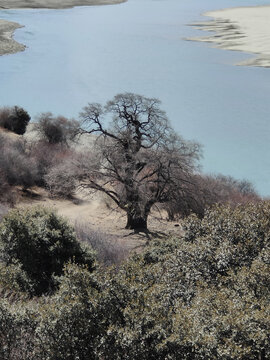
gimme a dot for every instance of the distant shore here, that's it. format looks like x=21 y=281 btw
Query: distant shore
x=243 y=29
x=8 y=45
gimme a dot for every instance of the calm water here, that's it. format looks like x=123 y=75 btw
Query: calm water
x=89 y=54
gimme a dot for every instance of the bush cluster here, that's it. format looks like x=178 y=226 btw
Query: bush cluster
x=56 y=130
x=203 y=296
x=37 y=243
x=16 y=166
x=36 y=162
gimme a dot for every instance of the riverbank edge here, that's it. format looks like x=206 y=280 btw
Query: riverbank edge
x=7 y=28
x=230 y=34
x=7 y=44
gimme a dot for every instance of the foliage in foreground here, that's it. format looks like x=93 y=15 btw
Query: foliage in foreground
x=205 y=296
x=34 y=246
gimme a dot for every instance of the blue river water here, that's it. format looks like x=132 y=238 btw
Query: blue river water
x=89 y=54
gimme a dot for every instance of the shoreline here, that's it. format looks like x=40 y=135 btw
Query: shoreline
x=7 y=44
x=7 y=28
x=244 y=29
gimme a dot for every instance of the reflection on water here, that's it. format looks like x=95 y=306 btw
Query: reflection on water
x=89 y=54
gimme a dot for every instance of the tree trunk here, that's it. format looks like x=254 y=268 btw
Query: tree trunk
x=136 y=222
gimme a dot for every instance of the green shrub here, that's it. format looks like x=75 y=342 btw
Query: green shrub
x=70 y=325
x=40 y=242
x=17 y=324
x=205 y=296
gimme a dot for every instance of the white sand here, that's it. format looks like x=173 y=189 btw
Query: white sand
x=244 y=29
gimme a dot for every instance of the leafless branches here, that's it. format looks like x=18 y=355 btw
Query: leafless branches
x=140 y=158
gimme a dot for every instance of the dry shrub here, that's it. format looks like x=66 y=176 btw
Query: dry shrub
x=16 y=166
x=108 y=248
x=56 y=130
x=68 y=172
x=203 y=191
x=3 y=210
x=47 y=156
x=7 y=195
x=60 y=181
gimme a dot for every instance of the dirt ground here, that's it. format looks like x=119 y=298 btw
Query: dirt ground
x=93 y=211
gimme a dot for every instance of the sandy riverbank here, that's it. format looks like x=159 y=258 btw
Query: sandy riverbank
x=52 y=4
x=243 y=29
x=7 y=44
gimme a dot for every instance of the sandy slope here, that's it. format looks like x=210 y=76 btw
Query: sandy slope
x=244 y=29
x=7 y=44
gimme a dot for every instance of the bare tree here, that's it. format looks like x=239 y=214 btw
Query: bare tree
x=138 y=159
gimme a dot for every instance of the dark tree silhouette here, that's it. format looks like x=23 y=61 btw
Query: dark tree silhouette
x=138 y=159
x=14 y=119
x=56 y=130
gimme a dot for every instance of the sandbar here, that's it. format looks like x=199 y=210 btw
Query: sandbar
x=243 y=29
x=8 y=45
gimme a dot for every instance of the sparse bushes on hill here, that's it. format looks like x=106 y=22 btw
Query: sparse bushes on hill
x=27 y=165
x=40 y=242
x=46 y=157
x=14 y=119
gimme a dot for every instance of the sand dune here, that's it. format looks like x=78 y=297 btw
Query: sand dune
x=243 y=29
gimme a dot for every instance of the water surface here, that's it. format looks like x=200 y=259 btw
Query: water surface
x=89 y=54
